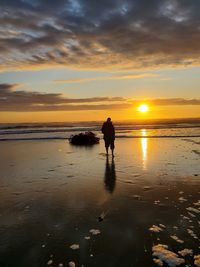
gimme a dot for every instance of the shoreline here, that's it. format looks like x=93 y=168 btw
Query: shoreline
x=117 y=137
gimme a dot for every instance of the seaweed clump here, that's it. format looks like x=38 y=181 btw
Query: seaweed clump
x=84 y=139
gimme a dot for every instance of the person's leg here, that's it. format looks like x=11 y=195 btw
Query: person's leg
x=112 y=146
x=106 y=145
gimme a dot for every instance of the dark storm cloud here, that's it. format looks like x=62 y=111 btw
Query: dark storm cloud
x=18 y=100
x=96 y=34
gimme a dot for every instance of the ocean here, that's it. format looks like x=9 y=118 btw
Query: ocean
x=129 y=129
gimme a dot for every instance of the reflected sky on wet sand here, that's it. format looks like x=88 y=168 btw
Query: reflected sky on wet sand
x=52 y=195
x=144 y=146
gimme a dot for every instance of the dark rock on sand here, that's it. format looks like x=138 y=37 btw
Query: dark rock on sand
x=87 y=138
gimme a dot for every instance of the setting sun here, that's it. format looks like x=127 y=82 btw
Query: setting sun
x=143 y=108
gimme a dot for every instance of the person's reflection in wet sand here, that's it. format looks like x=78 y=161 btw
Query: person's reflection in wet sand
x=110 y=175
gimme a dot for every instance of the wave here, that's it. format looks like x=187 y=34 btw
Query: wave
x=121 y=136
x=32 y=131
x=61 y=131
x=85 y=129
x=151 y=124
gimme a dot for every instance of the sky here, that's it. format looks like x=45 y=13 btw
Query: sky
x=79 y=60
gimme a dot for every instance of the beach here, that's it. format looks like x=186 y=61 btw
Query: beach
x=63 y=205
x=79 y=79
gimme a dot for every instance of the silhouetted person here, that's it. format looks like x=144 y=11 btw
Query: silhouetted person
x=110 y=176
x=108 y=131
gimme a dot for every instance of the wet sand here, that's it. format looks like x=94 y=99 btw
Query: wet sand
x=62 y=204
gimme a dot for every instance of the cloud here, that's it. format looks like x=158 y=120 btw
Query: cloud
x=112 y=77
x=166 y=102
x=122 y=34
x=175 y=102
x=12 y=100
x=18 y=101
x=7 y=86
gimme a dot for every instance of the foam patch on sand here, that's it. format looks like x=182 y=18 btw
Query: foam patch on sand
x=197 y=203
x=186 y=218
x=162 y=225
x=95 y=231
x=190 y=232
x=162 y=253
x=146 y=188
x=197 y=260
x=158 y=262
x=74 y=246
x=137 y=197
x=49 y=262
x=182 y=199
x=191 y=214
x=191 y=226
x=72 y=264
x=155 y=229
x=193 y=210
x=185 y=252
x=177 y=239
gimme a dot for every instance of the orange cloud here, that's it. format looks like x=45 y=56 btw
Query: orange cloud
x=27 y=101
x=113 y=77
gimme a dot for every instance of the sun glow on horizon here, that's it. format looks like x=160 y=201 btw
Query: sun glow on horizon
x=143 y=108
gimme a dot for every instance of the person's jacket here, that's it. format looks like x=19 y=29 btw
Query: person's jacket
x=108 y=130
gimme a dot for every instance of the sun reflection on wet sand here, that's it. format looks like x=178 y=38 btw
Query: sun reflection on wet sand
x=144 y=146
